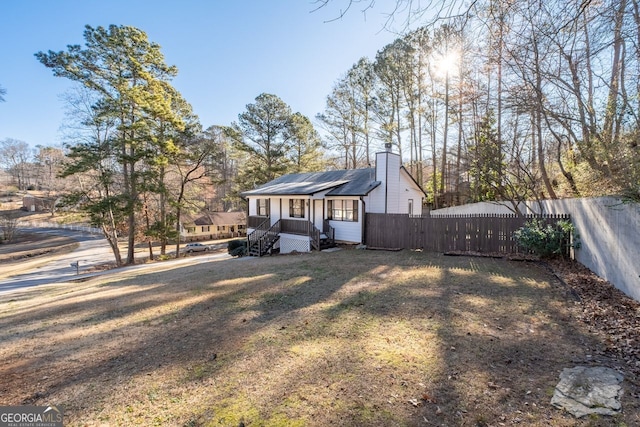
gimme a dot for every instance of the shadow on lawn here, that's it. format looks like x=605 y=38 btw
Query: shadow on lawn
x=353 y=338
x=190 y=333
x=499 y=331
x=502 y=333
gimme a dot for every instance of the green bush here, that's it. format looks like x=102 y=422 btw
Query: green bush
x=237 y=247
x=546 y=240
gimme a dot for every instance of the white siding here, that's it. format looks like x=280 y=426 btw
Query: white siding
x=408 y=190
x=394 y=195
x=417 y=197
x=348 y=231
x=391 y=196
x=375 y=200
x=396 y=188
x=274 y=207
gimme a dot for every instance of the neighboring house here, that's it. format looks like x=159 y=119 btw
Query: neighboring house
x=299 y=212
x=31 y=203
x=214 y=225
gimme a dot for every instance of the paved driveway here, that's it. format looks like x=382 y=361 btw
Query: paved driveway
x=92 y=251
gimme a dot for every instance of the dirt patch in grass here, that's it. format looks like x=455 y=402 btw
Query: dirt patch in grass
x=363 y=338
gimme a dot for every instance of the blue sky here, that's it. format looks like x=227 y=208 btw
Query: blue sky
x=227 y=53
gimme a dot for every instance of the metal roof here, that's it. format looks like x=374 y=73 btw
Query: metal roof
x=350 y=182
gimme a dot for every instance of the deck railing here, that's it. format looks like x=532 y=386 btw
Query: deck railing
x=259 y=231
x=255 y=221
x=263 y=237
x=329 y=231
x=293 y=226
x=290 y=226
x=314 y=237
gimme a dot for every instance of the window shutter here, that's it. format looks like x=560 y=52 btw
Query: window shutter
x=290 y=208
x=355 y=211
x=329 y=209
x=267 y=203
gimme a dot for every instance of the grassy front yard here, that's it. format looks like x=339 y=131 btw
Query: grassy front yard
x=351 y=338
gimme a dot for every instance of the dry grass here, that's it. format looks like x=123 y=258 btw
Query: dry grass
x=346 y=338
x=29 y=251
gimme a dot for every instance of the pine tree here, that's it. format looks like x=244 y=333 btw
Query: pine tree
x=131 y=83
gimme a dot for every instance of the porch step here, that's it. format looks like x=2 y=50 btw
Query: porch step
x=325 y=243
x=254 y=250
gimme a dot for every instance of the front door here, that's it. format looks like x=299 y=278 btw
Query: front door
x=318 y=213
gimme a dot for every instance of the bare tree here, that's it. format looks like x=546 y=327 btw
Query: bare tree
x=14 y=157
x=8 y=226
x=561 y=77
x=90 y=161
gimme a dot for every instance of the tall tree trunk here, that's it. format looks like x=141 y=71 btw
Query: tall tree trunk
x=636 y=20
x=499 y=89
x=443 y=166
x=398 y=122
x=131 y=220
x=367 y=143
x=148 y=223
x=112 y=238
x=459 y=149
x=433 y=155
x=609 y=127
x=178 y=226
x=419 y=149
x=110 y=231
x=538 y=119
x=460 y=128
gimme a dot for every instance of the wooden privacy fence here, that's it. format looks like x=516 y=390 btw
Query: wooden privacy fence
x=468 y=233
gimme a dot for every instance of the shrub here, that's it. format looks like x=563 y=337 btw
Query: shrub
x=8 y=226
x=237 y=247
x=547 y=240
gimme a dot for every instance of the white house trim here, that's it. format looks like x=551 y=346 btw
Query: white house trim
x=387 y=188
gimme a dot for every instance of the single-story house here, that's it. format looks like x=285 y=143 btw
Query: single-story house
x=299 y=212
x=31 y=203
x=213 y=225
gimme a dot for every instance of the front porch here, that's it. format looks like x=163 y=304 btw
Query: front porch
x=287 y=235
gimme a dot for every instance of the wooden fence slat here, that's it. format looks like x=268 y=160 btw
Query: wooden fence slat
x=488 y=233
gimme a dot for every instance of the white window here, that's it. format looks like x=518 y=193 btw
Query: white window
x=262 y=207
x=342 y=210
x=296 y=208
